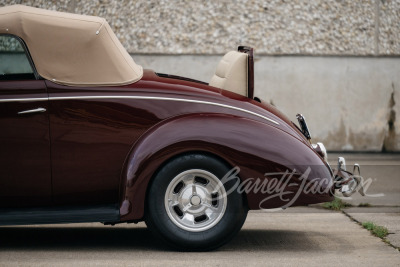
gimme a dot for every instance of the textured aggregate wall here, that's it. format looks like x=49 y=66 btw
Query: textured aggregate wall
x=275 y=27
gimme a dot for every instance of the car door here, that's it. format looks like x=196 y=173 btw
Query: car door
x=90 y=140
x=25 y=168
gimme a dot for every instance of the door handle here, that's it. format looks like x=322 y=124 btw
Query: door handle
x=36 y=110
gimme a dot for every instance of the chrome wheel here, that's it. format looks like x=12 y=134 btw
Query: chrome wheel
x=195 y=200
x=187 y=206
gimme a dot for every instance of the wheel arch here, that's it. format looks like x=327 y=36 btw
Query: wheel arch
x=254 y=147
x=169 y=139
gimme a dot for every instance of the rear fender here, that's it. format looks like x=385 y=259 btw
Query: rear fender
x=252 y=146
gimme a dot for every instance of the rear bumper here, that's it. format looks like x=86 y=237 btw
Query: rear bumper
x=348 y=182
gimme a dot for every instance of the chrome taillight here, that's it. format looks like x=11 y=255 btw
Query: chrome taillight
x=321 y=150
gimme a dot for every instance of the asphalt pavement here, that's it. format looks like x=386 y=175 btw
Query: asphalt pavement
x=301 y=236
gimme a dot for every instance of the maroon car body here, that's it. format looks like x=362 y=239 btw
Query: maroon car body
x=106 y=143
x=74 y=153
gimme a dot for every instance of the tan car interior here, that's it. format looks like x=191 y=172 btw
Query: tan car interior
x=235 y=72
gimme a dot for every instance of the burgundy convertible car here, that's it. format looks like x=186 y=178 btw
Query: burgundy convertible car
x=87 y=135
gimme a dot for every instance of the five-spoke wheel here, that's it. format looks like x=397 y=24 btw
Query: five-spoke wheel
x=188 y=206
x=195 y=200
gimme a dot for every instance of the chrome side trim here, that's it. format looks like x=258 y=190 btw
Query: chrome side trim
x=143 y=98
x=23 y=99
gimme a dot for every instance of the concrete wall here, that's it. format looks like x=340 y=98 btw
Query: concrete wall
x=337 y=62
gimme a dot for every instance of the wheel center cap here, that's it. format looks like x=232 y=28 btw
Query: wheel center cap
x=195 y=200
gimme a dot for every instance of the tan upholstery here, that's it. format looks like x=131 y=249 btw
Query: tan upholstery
x=71 y=49
x=231 y=73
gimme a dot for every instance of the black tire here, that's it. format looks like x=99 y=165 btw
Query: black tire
x=169 y=230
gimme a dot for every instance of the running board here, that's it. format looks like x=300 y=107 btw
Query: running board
x=50 y=215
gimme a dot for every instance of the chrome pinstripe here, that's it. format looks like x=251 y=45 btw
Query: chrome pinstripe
x=141 y=98
x=23 y=99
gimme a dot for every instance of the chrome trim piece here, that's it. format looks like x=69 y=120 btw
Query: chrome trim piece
x=36 y=110
x=323 y=149
x=320 y=146
x=143 y=98
x=24 y=99
x=303 y=126
x=341 y=163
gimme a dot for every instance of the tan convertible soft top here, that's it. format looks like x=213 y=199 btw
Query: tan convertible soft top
x=71 y=49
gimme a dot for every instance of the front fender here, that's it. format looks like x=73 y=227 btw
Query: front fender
x=254 y=147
